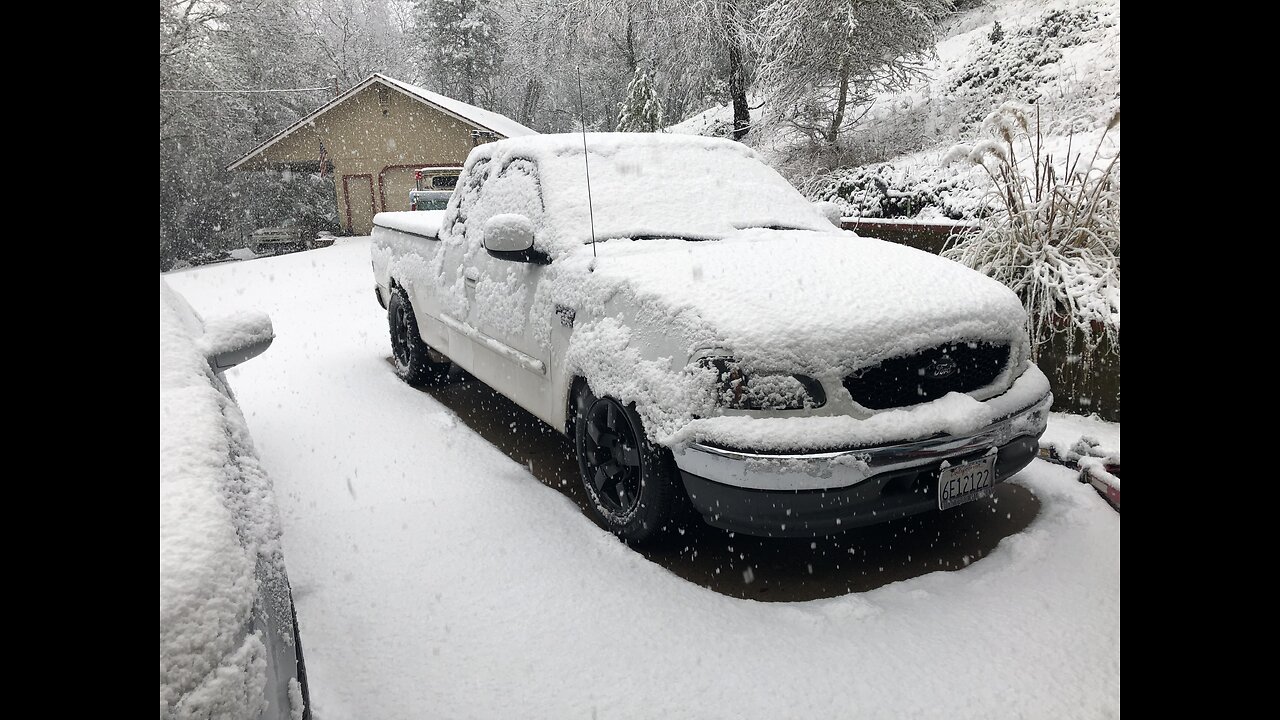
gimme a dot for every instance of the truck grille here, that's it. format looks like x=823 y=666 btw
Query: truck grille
x=927 y=375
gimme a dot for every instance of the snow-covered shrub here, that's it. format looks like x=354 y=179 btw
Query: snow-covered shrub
x=884 y=191
x=996 y=34
x=1018 y=63
x=1054 y=237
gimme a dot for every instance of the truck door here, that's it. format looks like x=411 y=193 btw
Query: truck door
x=512 y=351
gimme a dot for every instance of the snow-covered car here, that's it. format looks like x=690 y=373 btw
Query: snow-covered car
x=706 y=335
x=228 y=634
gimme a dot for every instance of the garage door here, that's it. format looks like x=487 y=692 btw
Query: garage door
x=396 y=184
x=360 y=208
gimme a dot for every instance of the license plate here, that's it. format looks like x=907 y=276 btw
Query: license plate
x=969 y=481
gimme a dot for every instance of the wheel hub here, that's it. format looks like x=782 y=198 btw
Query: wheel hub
x=612 y=456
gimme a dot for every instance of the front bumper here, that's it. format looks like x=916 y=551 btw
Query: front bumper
x=823 y=493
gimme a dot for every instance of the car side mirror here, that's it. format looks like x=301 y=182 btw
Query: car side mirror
x=233 y=339
x=509 y=236
x=831 y=211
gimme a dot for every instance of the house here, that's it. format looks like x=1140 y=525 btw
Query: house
x=373 y=138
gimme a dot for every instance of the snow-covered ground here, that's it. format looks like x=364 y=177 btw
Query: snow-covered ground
x=1090 y=444
x=433 y=576
x=1067 y=431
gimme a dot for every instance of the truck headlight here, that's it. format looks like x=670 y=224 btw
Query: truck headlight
x=736 y=389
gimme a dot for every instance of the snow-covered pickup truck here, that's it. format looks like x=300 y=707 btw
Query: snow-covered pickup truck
x=705 y=335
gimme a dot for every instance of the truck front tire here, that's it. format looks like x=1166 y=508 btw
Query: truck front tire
x=631 y=484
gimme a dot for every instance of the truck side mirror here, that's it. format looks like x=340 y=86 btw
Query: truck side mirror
x=233 y=339
x=831 y=211
x=509 y=236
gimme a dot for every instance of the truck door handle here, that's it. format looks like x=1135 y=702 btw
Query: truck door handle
x=471 y=276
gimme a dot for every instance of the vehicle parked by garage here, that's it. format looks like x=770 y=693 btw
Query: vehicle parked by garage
x=708 y=337
x=229 y=645
x=420 y=200
x=288 y=238
x=432 y=187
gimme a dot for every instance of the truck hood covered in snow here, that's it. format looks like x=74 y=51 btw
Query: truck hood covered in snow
x=807 y=301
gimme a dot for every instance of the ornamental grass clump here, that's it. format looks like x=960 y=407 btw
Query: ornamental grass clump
x=1054 y=233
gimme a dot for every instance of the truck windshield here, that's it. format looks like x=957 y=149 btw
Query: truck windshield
x=667 y=187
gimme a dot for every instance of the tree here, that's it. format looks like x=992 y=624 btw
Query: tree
x=351 y=38
x=641 y=111
x=696 y=51
x=700 y=29
x=822 y=59
x=461 y=47
x=734 y=39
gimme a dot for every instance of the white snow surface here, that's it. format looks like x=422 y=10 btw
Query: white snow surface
x=945 y=221
x=418 y=222
x=485 y=118
x=1073 y=436
x=434 y=576
x=1097 y=467
x=810 y=302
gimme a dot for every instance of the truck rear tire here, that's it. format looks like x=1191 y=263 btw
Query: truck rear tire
x=412 y=356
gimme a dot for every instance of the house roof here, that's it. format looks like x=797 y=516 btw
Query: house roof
x=500 y=124
x=470 y=114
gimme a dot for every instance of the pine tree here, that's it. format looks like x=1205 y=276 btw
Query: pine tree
x=460 y=39
x=641 y=111
x=997 y=33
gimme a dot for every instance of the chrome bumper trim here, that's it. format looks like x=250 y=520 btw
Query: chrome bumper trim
x=844 y=468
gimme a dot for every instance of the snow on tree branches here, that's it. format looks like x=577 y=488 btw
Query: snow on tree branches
x=825 y=59
x=462 y=49
x=641 y=111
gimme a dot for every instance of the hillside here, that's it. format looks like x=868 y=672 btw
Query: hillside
x=1062 y=56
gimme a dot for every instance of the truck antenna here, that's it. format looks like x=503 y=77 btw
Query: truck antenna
x=590 y=210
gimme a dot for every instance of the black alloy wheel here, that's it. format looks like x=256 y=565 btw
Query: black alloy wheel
x=611 y=455
x=631 y=484
x=410 y=355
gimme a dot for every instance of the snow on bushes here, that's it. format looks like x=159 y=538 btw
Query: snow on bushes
x=1054 y=237
x=1021 y=61
x=885 y=191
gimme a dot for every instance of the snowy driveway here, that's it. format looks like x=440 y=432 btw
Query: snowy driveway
x=436 y=577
